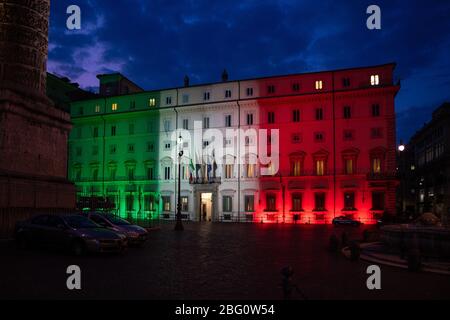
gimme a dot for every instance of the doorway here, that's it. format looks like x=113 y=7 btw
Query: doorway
x=206 y=207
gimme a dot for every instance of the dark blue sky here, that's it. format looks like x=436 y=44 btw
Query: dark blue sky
x=156 y=42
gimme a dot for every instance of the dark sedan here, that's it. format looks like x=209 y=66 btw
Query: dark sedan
x=347 y=221
x=136 y=235
x=72 y=232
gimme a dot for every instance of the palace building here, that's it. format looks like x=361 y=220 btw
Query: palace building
x=301 y=148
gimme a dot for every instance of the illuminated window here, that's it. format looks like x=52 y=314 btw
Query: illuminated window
x=97 y=109
x=152 y=102
x=320 y=167
x=271 y=202
x=184 y=204
x=375 y=80
x=319 y=201
x=296 y=167
x=297 y=202
x=149 y=202
x=114 y=107
x=166 y=203
x=376 y=165
x=249 y=203
x=228 y=171
x=250 y=170
x=319 y=85
x=349 y=166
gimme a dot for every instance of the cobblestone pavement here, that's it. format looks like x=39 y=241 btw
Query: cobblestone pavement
x=213 y=261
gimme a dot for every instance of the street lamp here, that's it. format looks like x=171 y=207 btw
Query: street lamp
x=401 y=147
x=179 y=224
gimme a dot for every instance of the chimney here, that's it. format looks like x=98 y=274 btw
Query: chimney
x=186 y=81
x=224 y=75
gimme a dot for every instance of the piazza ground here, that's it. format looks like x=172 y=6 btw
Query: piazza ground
x=213 y=261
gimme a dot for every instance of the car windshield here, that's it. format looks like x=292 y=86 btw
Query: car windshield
x=79 y=222
x=116 y=220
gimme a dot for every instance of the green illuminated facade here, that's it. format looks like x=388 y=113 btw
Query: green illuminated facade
x=113 y=152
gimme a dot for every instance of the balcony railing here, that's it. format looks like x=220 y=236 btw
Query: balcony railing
x=217 y=180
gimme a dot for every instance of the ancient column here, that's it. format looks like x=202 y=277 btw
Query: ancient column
x=33 y=133
x=24 y=45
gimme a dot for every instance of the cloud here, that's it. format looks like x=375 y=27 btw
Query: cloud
x=157 y=42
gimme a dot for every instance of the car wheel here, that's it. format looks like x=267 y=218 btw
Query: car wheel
x=77 y=248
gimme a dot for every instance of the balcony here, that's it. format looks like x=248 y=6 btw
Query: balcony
x=197 y=181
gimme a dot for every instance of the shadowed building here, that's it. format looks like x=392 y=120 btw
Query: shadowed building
x=426 y=170
x=33 y=132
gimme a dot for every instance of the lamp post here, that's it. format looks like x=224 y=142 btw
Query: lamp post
x=402 y=176
x=179 y=223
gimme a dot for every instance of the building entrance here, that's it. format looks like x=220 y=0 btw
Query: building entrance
x=206 y=207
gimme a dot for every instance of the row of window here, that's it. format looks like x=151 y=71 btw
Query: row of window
x=348 y=135
x=250 y=170
x=319 y=114
x=271 y=89
x=378 y=202
x=228 y=121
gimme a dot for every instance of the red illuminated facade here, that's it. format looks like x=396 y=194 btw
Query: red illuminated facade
x=336 y=146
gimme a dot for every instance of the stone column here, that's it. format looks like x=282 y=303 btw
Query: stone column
x=24 y=45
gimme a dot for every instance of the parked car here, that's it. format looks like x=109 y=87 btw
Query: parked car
x=136 y=235
x=70 y=232
x=343 y=220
